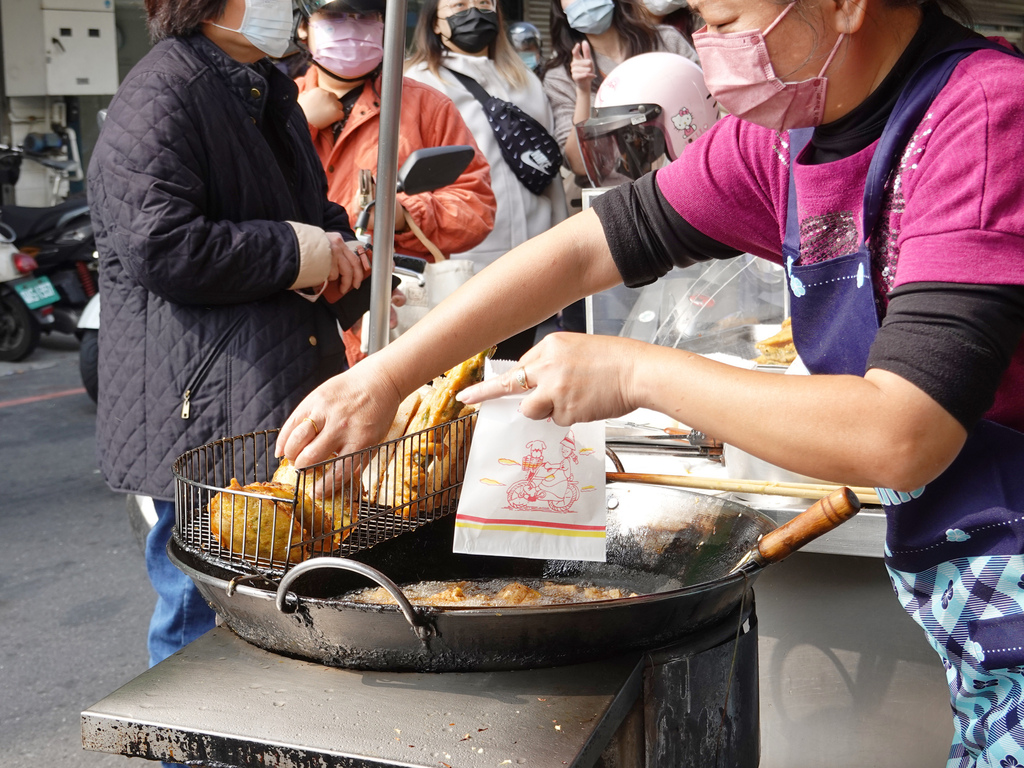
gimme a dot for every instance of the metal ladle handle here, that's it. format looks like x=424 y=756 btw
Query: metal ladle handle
x=423 y=631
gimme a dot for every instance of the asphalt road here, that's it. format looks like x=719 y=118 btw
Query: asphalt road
x=74 y=597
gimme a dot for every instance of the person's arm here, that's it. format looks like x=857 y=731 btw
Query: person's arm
x=521 y=289
x=561 y=93
x=879 y=430
x=179 y=253
x=876 y=430
x=583 y=70
x=459 y=216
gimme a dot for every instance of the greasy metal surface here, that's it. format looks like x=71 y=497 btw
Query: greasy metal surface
x=863 y=536
x=689 y=718
x=671 y=546
x=220 y=701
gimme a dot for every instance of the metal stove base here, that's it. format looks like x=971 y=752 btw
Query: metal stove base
x=223 y=702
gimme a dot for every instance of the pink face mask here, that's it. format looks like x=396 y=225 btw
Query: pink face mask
x=738 y=72
x=348 y=46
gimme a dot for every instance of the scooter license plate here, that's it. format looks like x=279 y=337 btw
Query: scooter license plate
x=37 y=292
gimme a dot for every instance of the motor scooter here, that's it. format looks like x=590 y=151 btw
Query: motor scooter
x=26 y=300
x=58 y=236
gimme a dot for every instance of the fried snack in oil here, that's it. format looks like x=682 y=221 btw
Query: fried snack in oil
x=517 y=593
x=495 y=593
x=259 y=528
x=332 y=514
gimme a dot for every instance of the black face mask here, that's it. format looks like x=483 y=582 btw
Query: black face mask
x=473 y=29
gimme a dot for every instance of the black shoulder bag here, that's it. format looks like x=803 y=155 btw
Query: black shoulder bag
x=530 y=151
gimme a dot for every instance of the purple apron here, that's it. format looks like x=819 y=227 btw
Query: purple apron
x=955 y=547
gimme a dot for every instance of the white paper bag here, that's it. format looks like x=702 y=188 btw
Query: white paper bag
x=532 y=488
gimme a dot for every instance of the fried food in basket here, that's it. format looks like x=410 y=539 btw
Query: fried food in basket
x=778 y=349
x=406 y=478
x=262 y=529
x=449 y=469
x=442 y=406
x=333 y=513
x=374 y=471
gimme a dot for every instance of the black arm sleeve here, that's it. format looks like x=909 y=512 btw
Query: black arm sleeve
x=648 y=237
x=953 y=341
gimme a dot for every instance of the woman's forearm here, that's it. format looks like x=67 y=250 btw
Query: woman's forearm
x=573 y=155
x=878 y=430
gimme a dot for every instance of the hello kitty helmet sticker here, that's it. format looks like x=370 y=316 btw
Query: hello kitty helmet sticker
x=648 y=108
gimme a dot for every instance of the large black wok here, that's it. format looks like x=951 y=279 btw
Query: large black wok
x=677 y=549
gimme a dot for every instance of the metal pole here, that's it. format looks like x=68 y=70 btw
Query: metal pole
x=387 y=174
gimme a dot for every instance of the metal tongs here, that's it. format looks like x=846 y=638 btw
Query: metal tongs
x=631 y=433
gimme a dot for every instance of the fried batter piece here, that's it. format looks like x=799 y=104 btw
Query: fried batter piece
x=778 y=349
x=405 y=479
x=259 y=528
x=442 y=406
x=517 y=594
x=449 y=469
x=375 y=470
x=332 y=515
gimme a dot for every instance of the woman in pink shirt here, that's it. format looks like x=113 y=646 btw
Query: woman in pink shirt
x=875 y=157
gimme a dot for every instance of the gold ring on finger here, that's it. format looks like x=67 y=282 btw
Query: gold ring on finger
x=315 y=427
x=521 y=378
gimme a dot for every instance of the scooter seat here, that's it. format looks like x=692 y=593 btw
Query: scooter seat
x=29 y=222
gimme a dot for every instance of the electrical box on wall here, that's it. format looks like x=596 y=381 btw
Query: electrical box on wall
x=59 y=47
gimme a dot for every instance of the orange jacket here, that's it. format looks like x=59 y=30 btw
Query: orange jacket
x=457 y=217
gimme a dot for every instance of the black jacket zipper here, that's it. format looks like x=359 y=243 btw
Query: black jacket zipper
x=205 y=366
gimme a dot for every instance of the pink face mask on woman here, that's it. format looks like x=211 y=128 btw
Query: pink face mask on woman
x=349 y=47
x=739 y=73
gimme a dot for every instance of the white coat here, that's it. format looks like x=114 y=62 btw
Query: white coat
x=521 y=214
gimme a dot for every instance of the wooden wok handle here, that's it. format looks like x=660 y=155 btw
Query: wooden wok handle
x=824 y=515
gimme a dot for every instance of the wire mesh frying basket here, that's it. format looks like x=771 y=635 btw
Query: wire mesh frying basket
x=237 y=505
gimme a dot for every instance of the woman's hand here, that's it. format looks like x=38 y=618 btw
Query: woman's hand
x=347 y=267
x=582 y=69
x=345 y=414
x=322 y=108
x=401 y=224
x=572 y=377
x=397 y=300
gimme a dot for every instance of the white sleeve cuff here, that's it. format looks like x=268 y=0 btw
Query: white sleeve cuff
x=314 y=255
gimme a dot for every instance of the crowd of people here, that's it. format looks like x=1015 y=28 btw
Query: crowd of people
x=869 y=149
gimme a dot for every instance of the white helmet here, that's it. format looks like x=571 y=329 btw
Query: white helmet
x=650 y=105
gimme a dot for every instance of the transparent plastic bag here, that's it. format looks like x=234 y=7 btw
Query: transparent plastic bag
x=721 y=308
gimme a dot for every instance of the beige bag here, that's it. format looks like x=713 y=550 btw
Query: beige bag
x=440 y=279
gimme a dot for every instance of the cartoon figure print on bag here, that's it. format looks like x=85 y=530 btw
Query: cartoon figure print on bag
x=548 y=485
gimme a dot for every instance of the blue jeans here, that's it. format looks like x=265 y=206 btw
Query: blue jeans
x=181 y=615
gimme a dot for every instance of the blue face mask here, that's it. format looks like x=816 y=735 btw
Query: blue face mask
x=530 y=60
x=591 y=17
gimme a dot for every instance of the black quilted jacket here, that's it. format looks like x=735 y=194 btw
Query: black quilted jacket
x=189 y=203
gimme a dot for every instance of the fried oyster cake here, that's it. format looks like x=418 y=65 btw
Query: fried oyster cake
x=335 y=511
x=261 y=528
